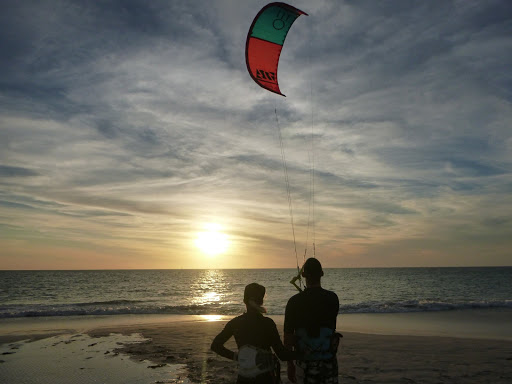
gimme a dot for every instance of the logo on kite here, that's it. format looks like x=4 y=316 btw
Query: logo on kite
x=265 y=41
x=266 y=76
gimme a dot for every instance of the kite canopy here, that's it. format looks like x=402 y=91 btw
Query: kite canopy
x=265 y=41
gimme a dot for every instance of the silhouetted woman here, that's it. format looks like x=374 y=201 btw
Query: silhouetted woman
x=256 y=336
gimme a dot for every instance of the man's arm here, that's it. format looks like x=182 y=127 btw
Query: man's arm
x=284 y=352
x=289 y=338
x=289 y=321
x=289 y=342
x=336 y=309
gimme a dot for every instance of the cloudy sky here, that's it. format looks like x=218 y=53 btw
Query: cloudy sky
x=126 y=127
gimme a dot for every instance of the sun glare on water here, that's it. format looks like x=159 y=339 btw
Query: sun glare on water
x=212 y=241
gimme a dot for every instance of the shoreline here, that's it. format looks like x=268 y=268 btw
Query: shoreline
x=166 y=342
x=489 y=324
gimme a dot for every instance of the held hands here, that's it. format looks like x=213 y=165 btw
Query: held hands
x=291 y=372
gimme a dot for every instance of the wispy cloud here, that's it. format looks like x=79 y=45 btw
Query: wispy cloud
x=125 y=126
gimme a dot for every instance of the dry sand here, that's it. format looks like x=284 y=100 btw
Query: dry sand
x=362 y=358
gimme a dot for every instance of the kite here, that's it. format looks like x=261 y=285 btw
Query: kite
x=265 y=41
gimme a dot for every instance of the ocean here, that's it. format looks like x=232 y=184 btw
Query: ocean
x=219 y=292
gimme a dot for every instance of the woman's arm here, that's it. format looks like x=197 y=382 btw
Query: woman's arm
x=281 y=350
x=218 y=343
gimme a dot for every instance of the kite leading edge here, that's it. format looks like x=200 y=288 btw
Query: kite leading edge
x=265 y=41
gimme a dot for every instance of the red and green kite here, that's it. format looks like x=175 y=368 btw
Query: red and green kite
x=265 y=41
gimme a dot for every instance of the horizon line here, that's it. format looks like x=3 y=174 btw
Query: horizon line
x=217 y=269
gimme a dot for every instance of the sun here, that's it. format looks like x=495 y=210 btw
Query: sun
x=212 y=241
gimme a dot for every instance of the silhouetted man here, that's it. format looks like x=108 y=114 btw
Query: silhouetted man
x=310 y=328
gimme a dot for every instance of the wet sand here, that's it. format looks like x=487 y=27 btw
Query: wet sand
x=363 y=358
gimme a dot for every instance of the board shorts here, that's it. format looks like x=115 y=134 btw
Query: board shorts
x=317 y=371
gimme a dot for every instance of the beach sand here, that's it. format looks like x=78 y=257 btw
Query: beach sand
x=363 y=358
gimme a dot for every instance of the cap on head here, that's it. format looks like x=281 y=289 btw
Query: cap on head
x=254 y=292
x=312 y=269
